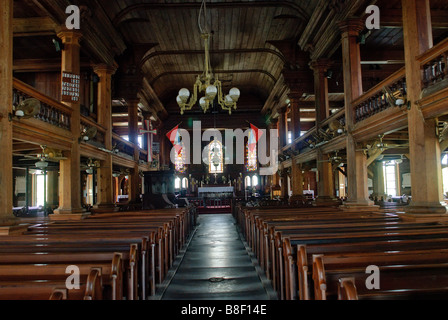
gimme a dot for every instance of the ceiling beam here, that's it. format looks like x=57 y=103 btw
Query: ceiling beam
x=141 y=7
x=36 y=26
x=393 y=18
x=196 y=72
x=212 y=52
x=43 y=65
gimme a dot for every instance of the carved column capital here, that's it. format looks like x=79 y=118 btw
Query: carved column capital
x=321 y=65
x=72 y=37
x=351 y=27
x=104 y=68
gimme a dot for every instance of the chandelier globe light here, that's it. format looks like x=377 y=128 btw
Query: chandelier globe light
x=207 y=83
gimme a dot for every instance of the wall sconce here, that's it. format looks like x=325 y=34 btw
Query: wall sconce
x=58 y=45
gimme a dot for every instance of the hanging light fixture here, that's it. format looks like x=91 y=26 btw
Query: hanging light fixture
x=207 y=83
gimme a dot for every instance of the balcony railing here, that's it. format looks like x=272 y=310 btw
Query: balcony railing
x=125 y=148
x=51 y=111
x=99 y=139
x=375 y=100
x=434 y=65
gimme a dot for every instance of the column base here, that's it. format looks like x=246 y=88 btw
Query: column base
x=327 y=201
x=69 y=215
x=104 y=208
x=12 y=226
x=365 y=206
x=435 y=212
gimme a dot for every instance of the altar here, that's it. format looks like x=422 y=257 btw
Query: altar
x=216 y=192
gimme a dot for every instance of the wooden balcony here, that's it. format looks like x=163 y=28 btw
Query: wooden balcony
x=375 y=100
x=434 y=66
x=50 y=127
x=52 y=111
x=376 y=112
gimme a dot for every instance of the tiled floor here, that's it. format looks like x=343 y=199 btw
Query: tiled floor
x=217 y=266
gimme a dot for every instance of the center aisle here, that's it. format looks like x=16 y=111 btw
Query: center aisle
x=217 y=266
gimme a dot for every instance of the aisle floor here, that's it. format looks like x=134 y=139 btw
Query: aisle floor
x=217 y=266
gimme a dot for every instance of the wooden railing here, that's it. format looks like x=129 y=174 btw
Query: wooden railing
x=123 y=146
x=100 y=136
x=434 y=64
x=338 y=116
x=375 y=100
x=52 y=111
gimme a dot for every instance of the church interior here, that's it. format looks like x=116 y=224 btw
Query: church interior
x=140 y=138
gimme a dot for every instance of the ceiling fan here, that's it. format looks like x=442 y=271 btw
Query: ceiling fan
x=91 y=166
x=380 y=145
x=48 y=154
x=28 y=108
x=88 y=134
x=335 y=159
x=395 y=99
x=335 y=128
x=122 y=172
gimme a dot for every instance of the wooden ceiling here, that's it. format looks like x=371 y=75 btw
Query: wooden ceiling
x=241 y=51
x=253 y=40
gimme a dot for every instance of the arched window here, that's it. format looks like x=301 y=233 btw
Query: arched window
x=255 y=181
x=251 y=153
x=215 y=157
x=184 y=183
x=248 y=181
x=177 y=183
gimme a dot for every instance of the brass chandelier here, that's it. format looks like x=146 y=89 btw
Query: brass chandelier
x=207 y=83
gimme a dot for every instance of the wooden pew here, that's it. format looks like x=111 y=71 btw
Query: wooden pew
x=123 y=265
x=136 y=245
x=287 y=265
x=93 y=239
x=155 y=251
x=307 y=226
x=90 y=289
x=167 y=246
x=101 y=279
x=415 y=276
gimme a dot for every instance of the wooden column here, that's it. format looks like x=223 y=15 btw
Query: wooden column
x=378 y=180
x=6 y=63
x=70 y=178
x=295 y=115
x=53 y=186
x=296 y=182
x=105 y=181
x=134 y=178
x=325 y=183
x=358 y=197
x=320 y=68
x=282 y=133
x=133 y=120
x=284 y=184
x=425 y=153
x=147 y=139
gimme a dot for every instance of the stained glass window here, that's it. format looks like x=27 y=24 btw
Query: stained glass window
x=215 y=157
x=179 y=162
x=251 y=153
